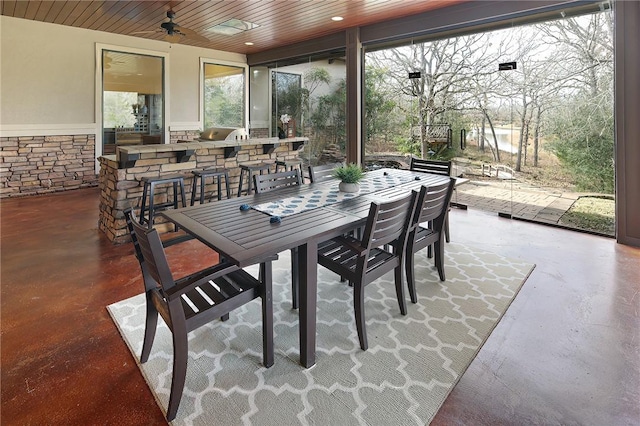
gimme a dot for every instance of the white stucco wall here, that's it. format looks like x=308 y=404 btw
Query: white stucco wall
x=47 y=76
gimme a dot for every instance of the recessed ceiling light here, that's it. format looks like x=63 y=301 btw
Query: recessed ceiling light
x=337 y=18
x=248 y=43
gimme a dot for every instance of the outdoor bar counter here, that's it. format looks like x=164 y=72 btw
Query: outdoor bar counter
x=121 y=174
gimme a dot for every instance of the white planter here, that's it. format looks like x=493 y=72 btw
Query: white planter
x=349 y=187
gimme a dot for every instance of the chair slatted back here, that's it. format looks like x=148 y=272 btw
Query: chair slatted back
x=431 y=166
x=130 y=217
x=433 y=202
x=323 y=172
x=388 y=222
x=155 y=260
x=273 y=181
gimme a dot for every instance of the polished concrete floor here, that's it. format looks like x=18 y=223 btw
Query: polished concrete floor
x=567 y=351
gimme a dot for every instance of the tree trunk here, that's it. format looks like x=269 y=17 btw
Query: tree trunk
x=536 y=136
x=526 y=140
x=482 y=134
x=521 y=139
x=423 y=129
x=495 y=138
x=491 y=149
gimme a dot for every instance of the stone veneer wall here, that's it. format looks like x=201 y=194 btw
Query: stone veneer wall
x=43 y=164
x=122 y=188
x=31 y=165
x=189 y=135
x=183 y=135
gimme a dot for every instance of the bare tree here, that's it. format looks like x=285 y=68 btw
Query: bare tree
x=485 y=87
x=555 y=61
x=582 y=125
x=586 y=49
x=443 y=68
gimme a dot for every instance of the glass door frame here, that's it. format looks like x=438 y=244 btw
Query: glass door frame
x=274 y=114
x=99 y=131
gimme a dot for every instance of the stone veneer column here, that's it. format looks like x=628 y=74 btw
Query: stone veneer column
x=122 y=188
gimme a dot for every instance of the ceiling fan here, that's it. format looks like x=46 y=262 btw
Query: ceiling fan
x=107 y=61
x=175 y=32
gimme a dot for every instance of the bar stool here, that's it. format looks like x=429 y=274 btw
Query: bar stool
x=288 y=165
x=250 y=169
x=148 y=212
x=202 y=175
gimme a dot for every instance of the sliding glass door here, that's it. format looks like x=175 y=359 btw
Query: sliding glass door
x=525 y=113
x=303 y=97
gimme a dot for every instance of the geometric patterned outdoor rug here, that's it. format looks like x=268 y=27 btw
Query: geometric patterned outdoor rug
x=412 y=363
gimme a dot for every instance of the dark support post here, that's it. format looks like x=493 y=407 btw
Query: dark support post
x=354 y=97
x=627 y=105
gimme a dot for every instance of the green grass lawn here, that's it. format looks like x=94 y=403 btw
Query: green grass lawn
x=591 y=213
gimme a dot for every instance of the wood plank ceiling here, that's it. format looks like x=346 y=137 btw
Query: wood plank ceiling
x=281 y=22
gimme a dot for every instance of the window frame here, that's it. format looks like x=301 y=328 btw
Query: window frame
x=245 y=74
x=98 y=75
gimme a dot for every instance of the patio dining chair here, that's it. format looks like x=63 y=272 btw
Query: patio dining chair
x=322 y=172
x=272 y=182
x=436 y=167
x=431 y=209
x=192 y=301
x=362 y=261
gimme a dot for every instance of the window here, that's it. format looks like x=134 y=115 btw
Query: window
x=132 y=99
x=224 y=96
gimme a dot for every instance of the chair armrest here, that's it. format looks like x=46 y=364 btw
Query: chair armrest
x=189 y=282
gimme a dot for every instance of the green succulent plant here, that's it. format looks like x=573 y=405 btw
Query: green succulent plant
x=351 y=173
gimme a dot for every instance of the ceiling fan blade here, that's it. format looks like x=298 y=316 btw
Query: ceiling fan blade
x=146 y=32
x=173 y=38
x=191 y=34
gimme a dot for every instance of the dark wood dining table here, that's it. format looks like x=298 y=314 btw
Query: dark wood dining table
x=247 y=236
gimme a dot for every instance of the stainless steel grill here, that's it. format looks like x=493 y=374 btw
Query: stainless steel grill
x=223 y=134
